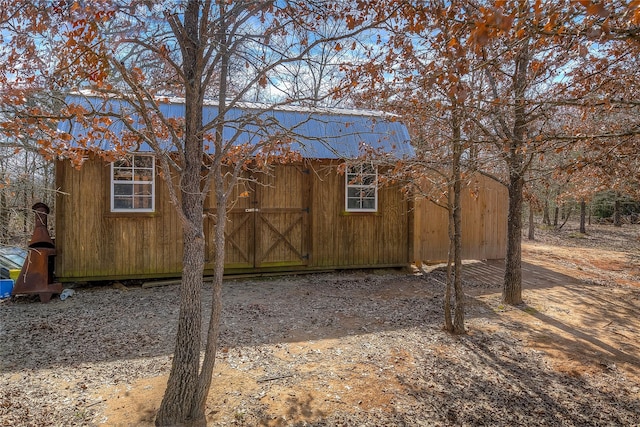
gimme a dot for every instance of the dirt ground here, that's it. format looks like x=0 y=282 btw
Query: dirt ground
x=351 y=348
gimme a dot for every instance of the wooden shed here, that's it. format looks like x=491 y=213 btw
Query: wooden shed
x=115 y=221
x=292 y=219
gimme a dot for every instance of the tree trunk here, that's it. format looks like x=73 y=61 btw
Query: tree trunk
x=206 y=374
x=458 y=319
x=448 y=322
x=25 y=202
x=566 y=218
x=545 y=213
x=555 y=216
x=455 y=234
x=4 y=218
x=617 y=220
x=532 y=226
x=179 y=404
x=583 y=216
x=176 y=406
x=512 y=291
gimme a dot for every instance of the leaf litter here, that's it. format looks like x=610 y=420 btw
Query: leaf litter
x=345 y=348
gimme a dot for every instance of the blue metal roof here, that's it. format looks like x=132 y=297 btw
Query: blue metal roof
x=316 y=133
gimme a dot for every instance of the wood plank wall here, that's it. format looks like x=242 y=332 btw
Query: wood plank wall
x=346 y=239
x=484 y=224
x=95 y=244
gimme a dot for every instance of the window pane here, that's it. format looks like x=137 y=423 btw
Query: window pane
x=368 y=203
x=353 y=192
x=142 y=202
x=361 y=185
x=122 y=189
x=143 y=175
x=122 y=174
x=123 y=163
x=143 y=161
x=368 y=192
x=368 y=179
x=142 y=190
x=126 y=193
x=123 y=203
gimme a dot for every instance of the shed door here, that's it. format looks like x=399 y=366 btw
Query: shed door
x=270 y=227
x=281 y=218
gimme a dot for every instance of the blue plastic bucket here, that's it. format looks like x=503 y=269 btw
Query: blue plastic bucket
x=6 y=286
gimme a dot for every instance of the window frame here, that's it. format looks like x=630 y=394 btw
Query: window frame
x=361 y=174
x=133 y=182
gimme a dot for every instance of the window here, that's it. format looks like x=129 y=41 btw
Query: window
x=361 y=188
x=133 y=184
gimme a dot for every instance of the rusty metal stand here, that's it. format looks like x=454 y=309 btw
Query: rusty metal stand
x=36 y=276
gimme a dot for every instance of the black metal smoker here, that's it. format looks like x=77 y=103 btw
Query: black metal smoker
x=36 y=276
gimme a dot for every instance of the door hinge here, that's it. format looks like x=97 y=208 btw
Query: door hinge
x=252 y=210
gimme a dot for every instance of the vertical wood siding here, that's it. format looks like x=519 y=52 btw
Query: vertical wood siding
x=345 y=239
x=484 y=224
x=94 y=243
x=300 y=223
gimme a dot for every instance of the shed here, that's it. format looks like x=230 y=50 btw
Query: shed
x=114 y=220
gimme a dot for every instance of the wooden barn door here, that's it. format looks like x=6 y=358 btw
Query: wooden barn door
x=239 y=245
x=281 y=218
x=269 y=222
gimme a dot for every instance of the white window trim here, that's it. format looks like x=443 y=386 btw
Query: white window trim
x=348 y=185
x=134 y=182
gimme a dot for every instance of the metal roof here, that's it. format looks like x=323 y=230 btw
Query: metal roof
x=320 y=133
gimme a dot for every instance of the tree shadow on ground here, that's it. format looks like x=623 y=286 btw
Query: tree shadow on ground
x=297 y=408
x=106 y=324
x=582 y=344
x=485 y=378
x=503 y=390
